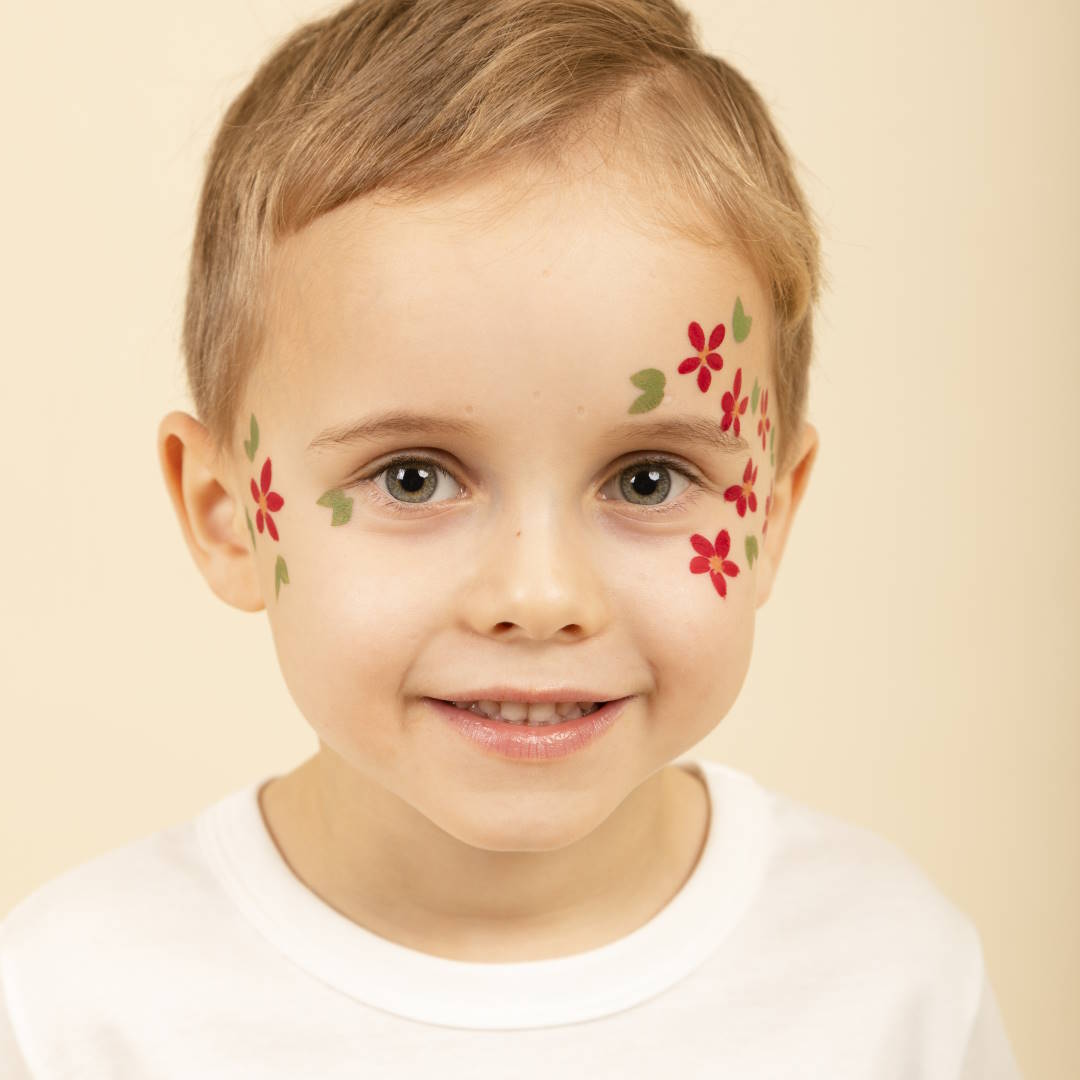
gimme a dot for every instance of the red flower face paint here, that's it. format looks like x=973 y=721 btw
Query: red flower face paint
x=713 y=559
x=713 y=359
x=764 y=423
x=733 y=408
x=768 y=507
x=742 y=494
x=267 y=500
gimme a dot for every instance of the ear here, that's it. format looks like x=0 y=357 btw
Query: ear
x=211 y=517
x=787 y=493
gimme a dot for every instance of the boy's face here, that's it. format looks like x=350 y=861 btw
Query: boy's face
x=526 y=552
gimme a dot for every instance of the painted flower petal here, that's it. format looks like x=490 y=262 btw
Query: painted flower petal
x=259 y=519
x=715 y=361
x=753 y=501
x=254 y=489
x=746 y=471
x=720 y=583
x=741 y=504
x=689 y=364
x=726 y=423
x=722 y=543
x=274 y=501
x=699 y=564
x=702 y=546
x=697 y=336
x=271 y=526
x=264 y=480
x=731 y=569
x=733 y=492
x=717 y=336
x=727 y=402
x=736 y=415
x=738 y=384
x=704 y=377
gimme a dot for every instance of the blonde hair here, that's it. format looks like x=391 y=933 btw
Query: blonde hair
x=409 y=97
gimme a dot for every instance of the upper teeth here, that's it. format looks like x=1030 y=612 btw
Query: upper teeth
x=521 y=712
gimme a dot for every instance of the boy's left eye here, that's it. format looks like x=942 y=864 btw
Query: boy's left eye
x=415 y=479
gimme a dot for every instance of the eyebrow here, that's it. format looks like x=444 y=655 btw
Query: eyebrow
x=687 y=429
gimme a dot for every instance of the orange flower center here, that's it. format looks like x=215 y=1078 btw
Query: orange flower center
x=716 y=564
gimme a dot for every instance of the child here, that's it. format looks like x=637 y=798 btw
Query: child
x=498 y=331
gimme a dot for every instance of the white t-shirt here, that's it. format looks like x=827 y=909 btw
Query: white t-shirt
x=800 y=946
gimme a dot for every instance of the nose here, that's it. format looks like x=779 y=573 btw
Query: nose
x=538 y=578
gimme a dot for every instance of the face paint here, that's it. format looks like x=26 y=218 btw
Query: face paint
x=743 y=494
x=764 y=423
x=340 y=503
x=751 y=551
x=652 y=381
x=754 y=396
x=706 y=358
x=732 y=406
x=768 y=507
x=268 y=502
x=712 y=558
x=740 y=321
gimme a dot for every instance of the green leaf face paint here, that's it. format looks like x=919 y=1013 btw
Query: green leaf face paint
x=251 y=528
x=340 y=503
x=652 y=381
x=754 y=396
x=751 y=551
x=281 y=573
x=252 y=445
x=740 y=321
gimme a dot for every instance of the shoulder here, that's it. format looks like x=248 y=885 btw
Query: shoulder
x=860 y=894
x=100 y=935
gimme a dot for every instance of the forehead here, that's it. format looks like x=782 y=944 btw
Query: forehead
x=471 y=301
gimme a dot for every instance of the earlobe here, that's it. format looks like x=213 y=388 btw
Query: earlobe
x=210 y=518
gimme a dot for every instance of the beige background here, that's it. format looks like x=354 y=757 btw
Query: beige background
x=911 y=667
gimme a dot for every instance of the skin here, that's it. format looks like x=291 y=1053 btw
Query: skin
x=527 y=564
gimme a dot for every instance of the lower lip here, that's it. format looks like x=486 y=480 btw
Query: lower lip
x=521 y=742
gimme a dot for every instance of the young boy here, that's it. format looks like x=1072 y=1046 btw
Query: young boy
x=498 y=330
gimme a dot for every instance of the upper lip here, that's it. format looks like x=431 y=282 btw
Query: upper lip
x=509 y=693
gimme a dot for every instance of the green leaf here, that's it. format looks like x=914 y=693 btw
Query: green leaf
x=252 y=445
x=339 y=502
x=651 y=380
x=754 y=396
x=740 y=321
x=251 y=528
x=751 y=550
x=281 y=573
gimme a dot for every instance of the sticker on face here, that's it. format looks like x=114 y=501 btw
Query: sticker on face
x=740 y=322
x=652 y=382
x=742 y=495
x=340 y=503
x=764 y=423
x=732 y=406
x=268 y=502
x=711 y=558
x=706 y=357
x=751 y=551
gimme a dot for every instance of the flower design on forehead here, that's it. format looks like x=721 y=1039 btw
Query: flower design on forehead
x=706 y=357
x=712 y=558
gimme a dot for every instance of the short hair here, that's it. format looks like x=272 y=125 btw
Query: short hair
x=410 y=97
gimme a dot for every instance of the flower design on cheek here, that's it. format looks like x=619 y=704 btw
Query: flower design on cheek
x=764 y=423
x=712 y=558
x=267 y=500
x=733 y=408
x=713 y=359
x=741 y=494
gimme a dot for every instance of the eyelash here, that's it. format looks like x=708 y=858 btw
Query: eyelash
x=412 y=459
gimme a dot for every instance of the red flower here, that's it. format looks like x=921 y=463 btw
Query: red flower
x=267 y=500
x=764 y=423
x=713 y=559
x=741 y=494
x=768 y=507
x=713 y=359
x=733 y=408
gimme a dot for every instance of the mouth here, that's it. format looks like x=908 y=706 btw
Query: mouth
x=527 y=714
